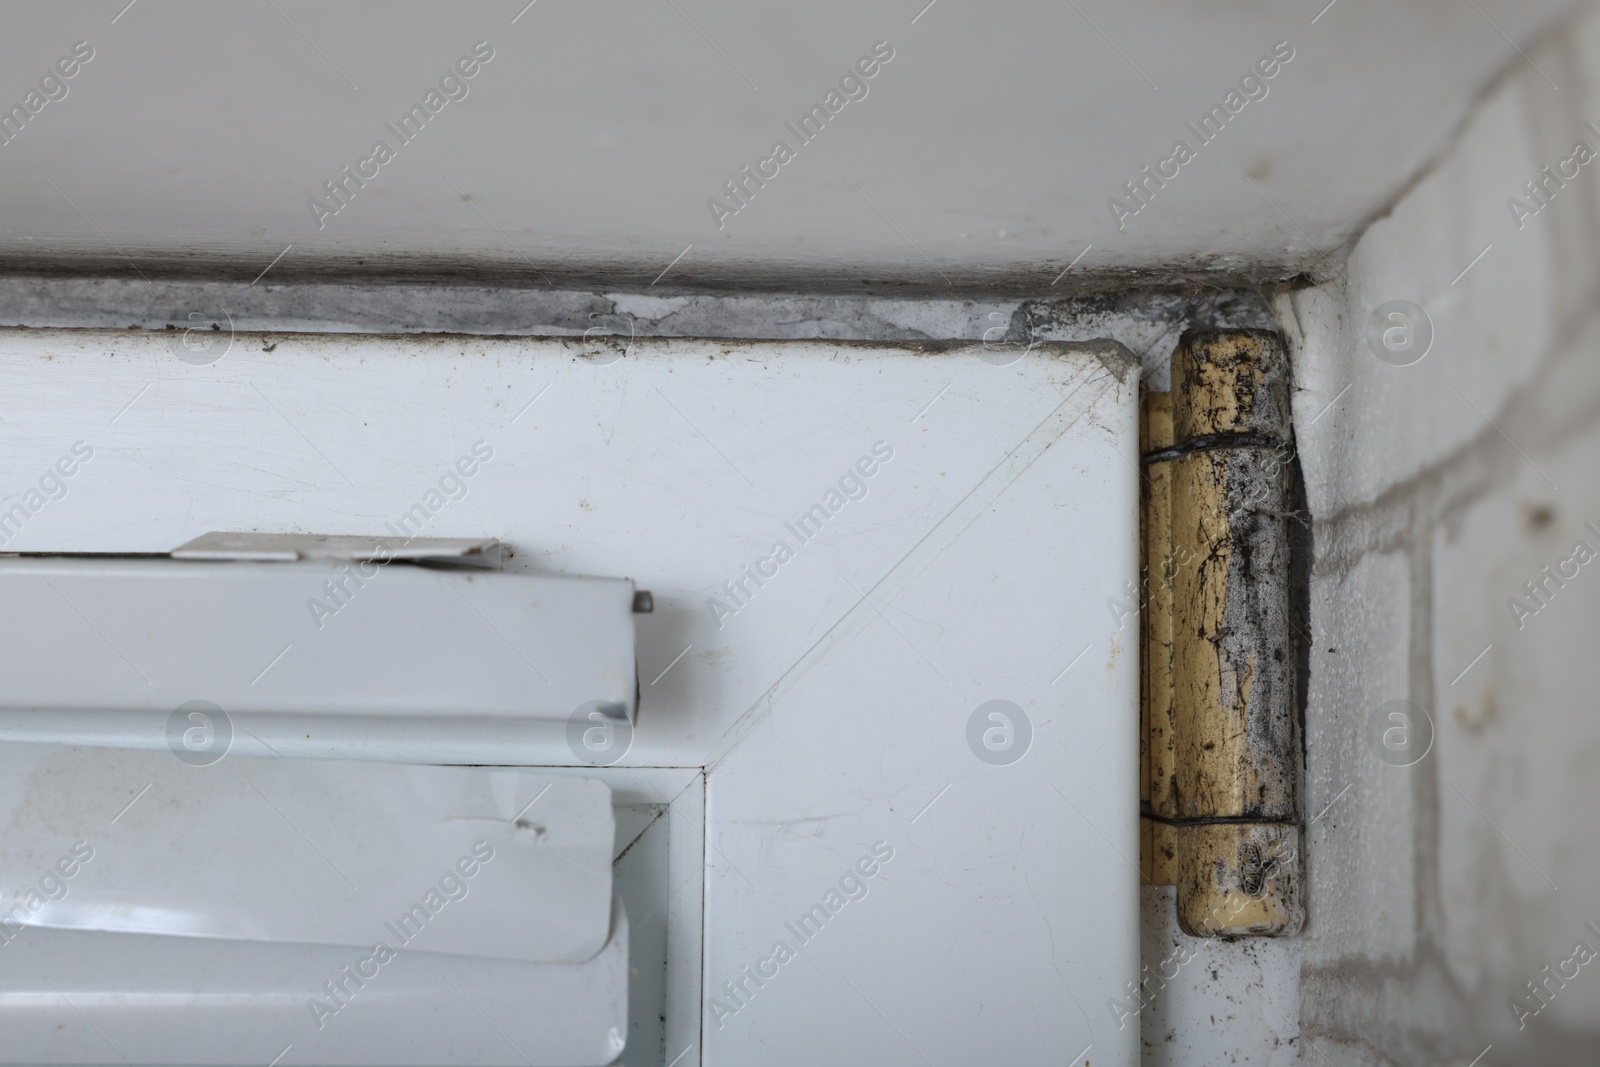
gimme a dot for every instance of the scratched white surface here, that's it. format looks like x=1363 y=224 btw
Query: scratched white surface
x=831 y=708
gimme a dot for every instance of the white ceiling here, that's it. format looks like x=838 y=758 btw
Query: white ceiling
x=984 y=154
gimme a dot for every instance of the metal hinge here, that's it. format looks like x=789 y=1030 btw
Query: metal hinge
x=1218 y=693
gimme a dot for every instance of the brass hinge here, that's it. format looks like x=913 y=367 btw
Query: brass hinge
x=1218 y=696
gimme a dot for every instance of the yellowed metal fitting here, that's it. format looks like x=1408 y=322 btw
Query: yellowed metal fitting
x=1230 y=382
x=1158 y=851
x=1239 y=879
x=1157 y=746
x=1218 y=710
x=1155 y=421
x=1232 y=659
x=1159 y=753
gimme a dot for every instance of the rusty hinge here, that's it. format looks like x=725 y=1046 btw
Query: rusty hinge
x=1218 y=698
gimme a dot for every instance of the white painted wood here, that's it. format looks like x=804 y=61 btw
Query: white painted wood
x=830 y=709
x=1006 y=915
x=658 y=876
x=313 y=636
x=70 y=997
x=503 y=863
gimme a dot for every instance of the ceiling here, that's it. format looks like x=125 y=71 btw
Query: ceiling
x=983 y=154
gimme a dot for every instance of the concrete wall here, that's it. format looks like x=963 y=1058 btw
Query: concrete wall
x=1438 y=489
x=984 y=153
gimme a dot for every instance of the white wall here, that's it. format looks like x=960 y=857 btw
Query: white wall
x=984 y=153
x=1437 y=490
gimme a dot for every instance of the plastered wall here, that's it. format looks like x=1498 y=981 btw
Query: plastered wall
x=1451 y=851
x=592 y=143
